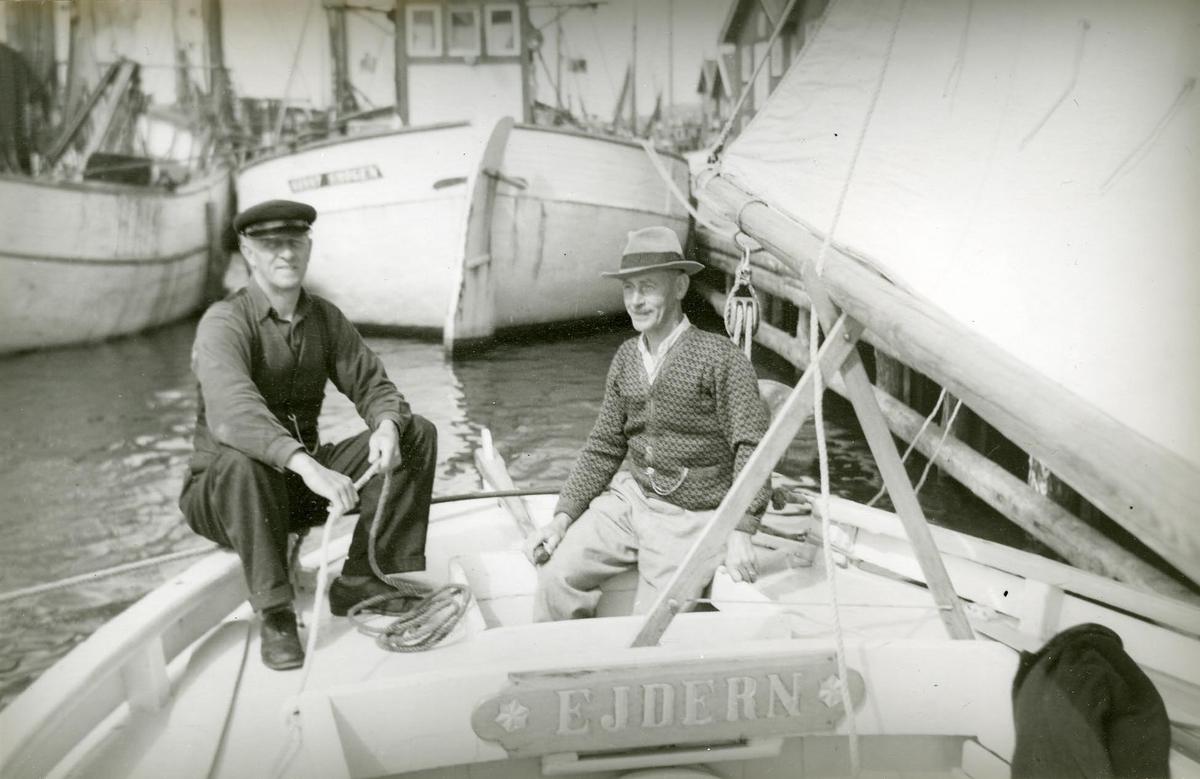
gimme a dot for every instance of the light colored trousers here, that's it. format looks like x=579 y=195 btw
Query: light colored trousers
x=622 y=528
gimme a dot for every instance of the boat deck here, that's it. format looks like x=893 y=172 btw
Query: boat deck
x=232 y=714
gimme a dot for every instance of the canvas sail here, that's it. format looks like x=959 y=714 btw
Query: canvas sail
x=1030 y=168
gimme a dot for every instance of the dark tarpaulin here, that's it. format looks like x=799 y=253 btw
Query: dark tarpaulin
x=1084 y=708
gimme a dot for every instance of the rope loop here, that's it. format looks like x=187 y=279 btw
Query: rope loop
x=741 y=304
x=432 y=616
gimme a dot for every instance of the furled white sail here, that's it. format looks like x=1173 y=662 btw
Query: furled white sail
x=1031 y=167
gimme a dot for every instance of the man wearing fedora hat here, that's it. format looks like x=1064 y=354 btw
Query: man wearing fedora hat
x=682 y=405
x=263 y=357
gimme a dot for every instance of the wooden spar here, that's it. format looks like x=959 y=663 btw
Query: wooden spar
x=766 y=280
x=891 y=467
x=400 y=52
x=787 y=423
x=494 y=471
x=1076 y=541
x=1152 y=492
x=1066 y=534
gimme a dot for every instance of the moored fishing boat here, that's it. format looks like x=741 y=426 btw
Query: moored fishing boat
x=461 y=224
x=111 y=229
x=908 y=671
x=85 y=261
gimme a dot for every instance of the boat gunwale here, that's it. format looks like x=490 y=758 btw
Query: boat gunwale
x=67 y=686
x=192 y=187
x=334 y=140
x=341 y=139
x=599 y=137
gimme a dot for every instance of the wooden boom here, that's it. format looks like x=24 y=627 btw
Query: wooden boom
x=1152 y=492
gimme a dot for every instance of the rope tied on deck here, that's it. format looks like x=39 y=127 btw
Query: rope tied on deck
x=741 y=304
x=433 y=615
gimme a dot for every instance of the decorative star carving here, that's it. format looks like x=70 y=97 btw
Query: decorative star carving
x=831 y=692
x=513 y=715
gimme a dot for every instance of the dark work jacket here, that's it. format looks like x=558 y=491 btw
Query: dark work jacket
x=262 y=380
x=1084 y=708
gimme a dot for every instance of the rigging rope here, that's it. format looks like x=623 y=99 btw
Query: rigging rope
x=748 y=86
x=822 y=506
x=913 y=444
x=419 y=629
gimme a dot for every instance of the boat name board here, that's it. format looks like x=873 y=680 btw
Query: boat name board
x=333 y=178
x=598 y=710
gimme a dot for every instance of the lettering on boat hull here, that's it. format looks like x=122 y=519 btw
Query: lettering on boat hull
x=333 y=178
x=604 y=709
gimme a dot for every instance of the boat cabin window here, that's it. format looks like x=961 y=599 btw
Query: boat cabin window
x=464 y=32
x=503 y=36
x=424 y=30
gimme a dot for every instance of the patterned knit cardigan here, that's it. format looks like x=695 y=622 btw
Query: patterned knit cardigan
x=703 y=413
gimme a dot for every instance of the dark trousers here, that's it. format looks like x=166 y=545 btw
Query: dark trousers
x=250 y=507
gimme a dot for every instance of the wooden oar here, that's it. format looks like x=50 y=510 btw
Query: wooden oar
x=495 y=472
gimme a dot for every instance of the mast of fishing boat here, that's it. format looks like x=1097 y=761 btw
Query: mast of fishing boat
x=670 y=56
x=343 y=96
x=633 y=76
x=220 y=95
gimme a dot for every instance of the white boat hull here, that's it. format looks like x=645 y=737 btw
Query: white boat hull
x=551 y=240
x=391 y=231
x=85 y=262
x=174 y=687
x=389 y=212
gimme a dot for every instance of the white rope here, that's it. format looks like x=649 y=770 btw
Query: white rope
x=822 y=506
x=673 y=188
x=913 y=444
x=938 y=450
x=295 y=733
x=95 y=576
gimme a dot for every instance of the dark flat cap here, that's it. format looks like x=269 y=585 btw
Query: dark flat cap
x=275 y=216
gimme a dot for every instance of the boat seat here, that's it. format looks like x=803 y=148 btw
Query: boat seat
x=503 y=584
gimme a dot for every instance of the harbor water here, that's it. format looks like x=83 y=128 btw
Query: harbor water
x=96 y=441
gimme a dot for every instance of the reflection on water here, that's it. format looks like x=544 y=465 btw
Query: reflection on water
x=97 y=440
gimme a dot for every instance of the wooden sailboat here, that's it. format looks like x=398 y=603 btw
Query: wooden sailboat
x=99 y=238
x=405 y=233
x=908 y=671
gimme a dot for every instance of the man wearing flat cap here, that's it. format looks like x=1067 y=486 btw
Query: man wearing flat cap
x=262 y=357
x=683 y=406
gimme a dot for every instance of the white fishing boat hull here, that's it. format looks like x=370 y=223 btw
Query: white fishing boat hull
x=174 y=686
x=551 y=240
x=389 y=244
x=389 y=213
x=85 y=262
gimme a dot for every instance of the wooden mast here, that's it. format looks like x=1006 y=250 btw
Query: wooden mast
x=633 y=77
x=219 y=93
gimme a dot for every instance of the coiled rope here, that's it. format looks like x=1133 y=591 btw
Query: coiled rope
x=433 y=616
x=430 y=627
x=741 y=304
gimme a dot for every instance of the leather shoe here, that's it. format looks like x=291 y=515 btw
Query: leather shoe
x=344 y=596
x=280 y=644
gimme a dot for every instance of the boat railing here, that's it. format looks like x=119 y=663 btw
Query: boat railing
x=124 y=663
